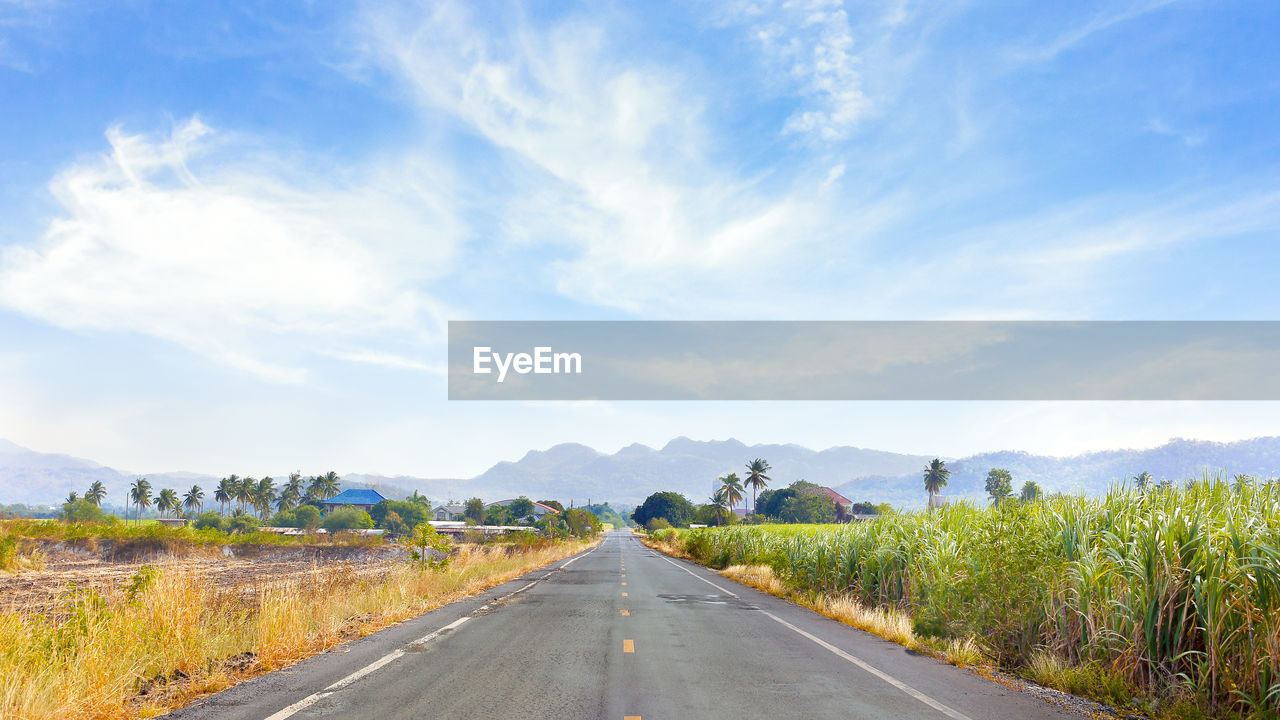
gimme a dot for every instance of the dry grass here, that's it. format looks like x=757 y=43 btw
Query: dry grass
x=170 y=636
x=888 y=623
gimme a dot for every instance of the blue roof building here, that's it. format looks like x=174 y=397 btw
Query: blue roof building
x=362 y=499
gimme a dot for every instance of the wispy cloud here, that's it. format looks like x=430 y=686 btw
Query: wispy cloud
x=211 y=243
x=1110 y=16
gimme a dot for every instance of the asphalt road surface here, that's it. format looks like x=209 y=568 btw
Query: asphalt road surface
x=621 y=632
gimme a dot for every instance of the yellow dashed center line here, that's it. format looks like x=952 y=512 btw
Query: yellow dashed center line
x=631 y=717
x=624 y=594
x=625 y=613
x=624 y=583
x=628 y=646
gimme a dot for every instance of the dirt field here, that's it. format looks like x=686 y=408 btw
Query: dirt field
x=242 y=568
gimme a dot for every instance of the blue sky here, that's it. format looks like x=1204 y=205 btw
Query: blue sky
x=231 y=235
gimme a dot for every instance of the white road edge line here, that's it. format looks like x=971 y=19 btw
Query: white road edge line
x=394 y=655
x=952 y=713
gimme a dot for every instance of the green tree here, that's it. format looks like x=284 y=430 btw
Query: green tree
x=394 y=524
x=521 y=508
x=771 y=502
x=474 y=512
x=306 y=517
x=410 y=513
x=291 y=493
x=347 y=518
x=552 y=503
x=430 y=547
x=732 y=490
x=999 y=485
x=757 y=480
x=418 y=499
x=1142 y=481
x=1030 y=491
x=264 y=495
x=194 y=499
x=72 y=497
x=935 y=478
x=81 y=510
x=167 y=501
x=806 y=508
x=140 y=495
x=208 y=521
x=719 y=502
x=245 y=490
x=97 y=493
x=225 y=493
x=672 y=506
x=242 y=524
x=323 y=487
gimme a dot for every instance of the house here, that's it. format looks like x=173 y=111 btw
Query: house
x=841 y=501
x=445 y=513
x=539 y=510
x=937 y=501
x=361 y=499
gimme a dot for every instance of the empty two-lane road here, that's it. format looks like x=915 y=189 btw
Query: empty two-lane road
x=620 y=632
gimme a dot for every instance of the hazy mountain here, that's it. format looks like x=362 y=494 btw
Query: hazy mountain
x=1090 y=473
x=576 y=473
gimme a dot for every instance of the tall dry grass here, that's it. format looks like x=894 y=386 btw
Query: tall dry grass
x=1169 y=593
x=170 y=635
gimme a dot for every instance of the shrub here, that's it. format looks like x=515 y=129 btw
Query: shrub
x=411 y=514
x=82 y=511
x=307 y=517
x=242 y=524
x=657 y=524
x=347 y=518
x=284 y=518
x=208 y=520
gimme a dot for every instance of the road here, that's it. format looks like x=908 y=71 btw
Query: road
x=620 y=632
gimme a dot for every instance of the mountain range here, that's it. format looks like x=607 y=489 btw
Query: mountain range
x=576 y=473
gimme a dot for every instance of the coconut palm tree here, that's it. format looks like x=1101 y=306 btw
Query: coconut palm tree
x=225 y=493
x=719 y=501
x=167 y=501
x=935 y=478
x=263 y=495
x=97 y=493
x=140 y=495
x=1142 y=480
x=324 y=486
x=732 y=489
x=194 y=499
x=245 y=489
x=756 y=478
x=291 y=493
x=71 y=497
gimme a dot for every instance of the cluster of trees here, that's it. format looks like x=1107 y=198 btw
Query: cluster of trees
x=999 y=484
x=260 y=495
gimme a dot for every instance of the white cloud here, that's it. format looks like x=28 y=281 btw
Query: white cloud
x=610 y=157
x=210 y=243
x=1112 y=15
x=812 y=42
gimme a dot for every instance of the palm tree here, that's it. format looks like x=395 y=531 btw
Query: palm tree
x=291 y=494
x=72 y=497
x=719 y=500
x=263 y=495
x=1030 y=491
x=97 y=493
x=935 y=478
x=225 y=493
x=756 y=478
x=1142 y=480
x=324 y=486
x=167 y=501
x=245 y=489
x=194 y=499
x=140 y=495
x=732 y=489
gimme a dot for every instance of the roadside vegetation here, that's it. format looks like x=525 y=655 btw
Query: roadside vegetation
x=170 y=634
x=1159 y=598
